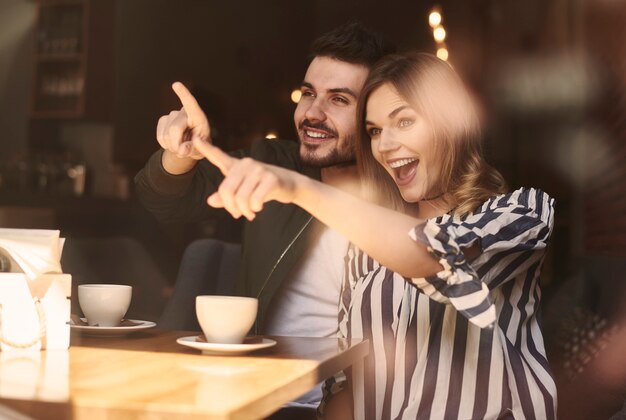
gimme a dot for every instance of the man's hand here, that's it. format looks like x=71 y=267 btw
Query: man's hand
x=177 y=130
x=248 y=184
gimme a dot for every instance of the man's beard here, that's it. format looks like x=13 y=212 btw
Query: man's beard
x=336 y=157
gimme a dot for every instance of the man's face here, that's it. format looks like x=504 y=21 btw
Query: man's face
x=326 y=114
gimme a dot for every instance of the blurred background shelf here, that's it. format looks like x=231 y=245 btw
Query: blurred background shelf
x=73 y=60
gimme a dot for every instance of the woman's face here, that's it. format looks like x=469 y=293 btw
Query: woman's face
x=402 y=142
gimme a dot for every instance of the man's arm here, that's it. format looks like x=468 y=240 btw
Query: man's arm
x=171 y=185
x=176 y=181
x=176 y=198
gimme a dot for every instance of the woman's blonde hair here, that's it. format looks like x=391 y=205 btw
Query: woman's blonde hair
x=437 y=94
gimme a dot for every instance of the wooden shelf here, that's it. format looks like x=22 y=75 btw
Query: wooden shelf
x=60 y=57
x=73 y=59
x=59 y=113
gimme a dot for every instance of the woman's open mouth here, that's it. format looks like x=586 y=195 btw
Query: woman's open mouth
x=404 y=170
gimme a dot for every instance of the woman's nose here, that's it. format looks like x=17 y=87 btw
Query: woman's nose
x=387 y=142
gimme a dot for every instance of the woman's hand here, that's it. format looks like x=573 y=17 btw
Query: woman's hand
x=248 y=184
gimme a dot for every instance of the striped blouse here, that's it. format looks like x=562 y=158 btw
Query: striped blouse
x=464 y=343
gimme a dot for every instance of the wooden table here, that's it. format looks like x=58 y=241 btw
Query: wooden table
x=148 y=375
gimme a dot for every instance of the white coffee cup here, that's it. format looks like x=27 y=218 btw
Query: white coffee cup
x=104 y=304
x=226 y=319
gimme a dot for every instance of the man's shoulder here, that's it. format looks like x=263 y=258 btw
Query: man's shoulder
x=277 y=149
x=284 y=153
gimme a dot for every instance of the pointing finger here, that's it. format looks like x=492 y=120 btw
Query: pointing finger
x=214 y=155
x=215 y=200
x=192 y=108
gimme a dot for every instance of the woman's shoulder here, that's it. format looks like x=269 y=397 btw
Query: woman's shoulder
x=530 y=198
x=531 y=202
x=525 y=215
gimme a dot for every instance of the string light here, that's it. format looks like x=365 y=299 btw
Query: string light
x=442 y=53
x=296 y=94
x=435 y=20
x=271 y=135
x=439 y=34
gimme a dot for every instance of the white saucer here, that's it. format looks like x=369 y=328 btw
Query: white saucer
x=225 y=349
x=112 y=331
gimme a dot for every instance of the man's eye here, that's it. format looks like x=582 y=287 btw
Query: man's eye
x=341 y=100
x=405 y=122
x=307 y=93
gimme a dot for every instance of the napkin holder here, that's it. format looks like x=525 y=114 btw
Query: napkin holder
x=34 y=313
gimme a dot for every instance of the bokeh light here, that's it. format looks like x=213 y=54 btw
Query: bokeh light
x=442 y=53
x=434 y=19
x=439 y=34
x=296 y=94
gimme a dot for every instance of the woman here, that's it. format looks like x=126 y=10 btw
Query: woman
x=443 y=277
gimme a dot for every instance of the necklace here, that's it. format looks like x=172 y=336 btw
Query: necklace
x=432 y=198
x=438 y=207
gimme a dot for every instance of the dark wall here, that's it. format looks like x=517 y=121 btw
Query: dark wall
x=229 y=57
x=16 y=21
x=242 y=59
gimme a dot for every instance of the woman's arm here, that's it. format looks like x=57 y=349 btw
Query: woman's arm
x=380 y=232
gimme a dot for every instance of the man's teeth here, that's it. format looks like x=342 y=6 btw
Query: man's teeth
x=316 y=135
x=401 y=162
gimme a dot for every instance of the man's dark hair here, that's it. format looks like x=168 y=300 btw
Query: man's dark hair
x=353 y=43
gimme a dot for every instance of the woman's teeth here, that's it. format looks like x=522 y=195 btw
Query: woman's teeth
x=401 y=162
x=404 y=170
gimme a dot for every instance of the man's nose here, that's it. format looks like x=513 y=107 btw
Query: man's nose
x=315 y=111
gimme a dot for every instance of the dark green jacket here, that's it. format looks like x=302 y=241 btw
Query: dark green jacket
x=272 y=243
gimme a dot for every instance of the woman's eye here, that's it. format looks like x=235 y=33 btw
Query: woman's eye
x=373 y=132
x=405 y=122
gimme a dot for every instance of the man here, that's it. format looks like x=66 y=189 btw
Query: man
x=290 y=262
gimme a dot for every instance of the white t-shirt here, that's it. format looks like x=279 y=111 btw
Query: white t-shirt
x=307 y=303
